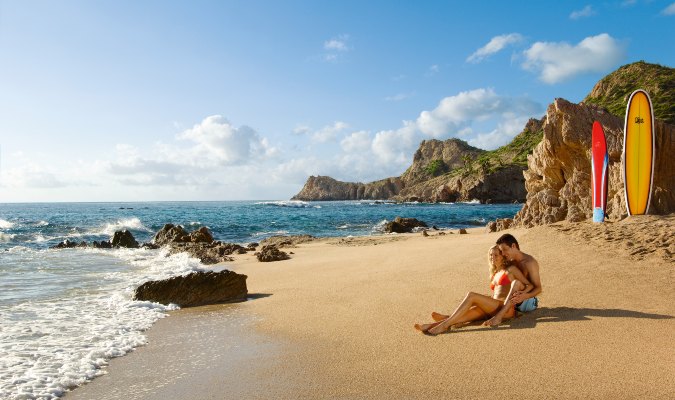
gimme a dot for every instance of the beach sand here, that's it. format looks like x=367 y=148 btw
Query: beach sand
x=336 y=322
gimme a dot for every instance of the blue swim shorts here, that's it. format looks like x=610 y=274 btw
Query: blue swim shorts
x=528 y=305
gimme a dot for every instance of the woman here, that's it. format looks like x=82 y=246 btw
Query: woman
x=504 y=280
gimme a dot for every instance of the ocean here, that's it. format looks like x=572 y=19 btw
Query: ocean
x=65 y=313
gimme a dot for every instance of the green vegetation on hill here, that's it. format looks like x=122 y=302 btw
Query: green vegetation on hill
x=514 y=153
x=612 y=92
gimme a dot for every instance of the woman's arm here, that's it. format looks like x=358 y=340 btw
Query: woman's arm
x=518 y=282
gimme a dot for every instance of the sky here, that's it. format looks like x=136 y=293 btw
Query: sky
x=243 y=100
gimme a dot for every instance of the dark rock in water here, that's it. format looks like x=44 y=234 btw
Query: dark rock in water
x=403 y=225
x=103 y=244
x=150 y=246
x=66 y=244
x=287 y=241
x=195 y=289
x=271 y=253
x=171 y=233
x=124 y=239
x=201 y=235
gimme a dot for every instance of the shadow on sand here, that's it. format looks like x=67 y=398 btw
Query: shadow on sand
x=561 y=314
x=256 y=296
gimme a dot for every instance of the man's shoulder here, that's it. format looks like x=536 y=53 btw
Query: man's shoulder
x=529 y=262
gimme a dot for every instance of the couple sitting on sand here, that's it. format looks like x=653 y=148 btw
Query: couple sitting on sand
x=514 y=280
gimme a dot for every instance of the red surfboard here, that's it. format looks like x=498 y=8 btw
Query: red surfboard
x=599 y=163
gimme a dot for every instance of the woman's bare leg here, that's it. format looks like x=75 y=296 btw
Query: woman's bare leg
x=438 y=316
x=486 y=304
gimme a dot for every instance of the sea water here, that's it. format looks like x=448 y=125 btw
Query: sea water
x=64 y=313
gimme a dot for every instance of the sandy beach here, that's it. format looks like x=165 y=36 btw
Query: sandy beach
x=336 y=322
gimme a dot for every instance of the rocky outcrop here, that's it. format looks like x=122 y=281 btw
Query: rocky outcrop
x=198 y=244
x=325 y=188
x=444 y=171
x=403 y=225
x=195 y=289
x=271 y=253
x=499 y=224
x=436 y=157
x=124 y=239
x=558 y=180
x=120 y=239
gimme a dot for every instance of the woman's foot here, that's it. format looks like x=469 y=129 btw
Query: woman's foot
x=438 y=316
x=437 y=329
x=424 y=328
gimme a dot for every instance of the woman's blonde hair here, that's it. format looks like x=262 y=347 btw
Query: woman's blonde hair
x=493 y=267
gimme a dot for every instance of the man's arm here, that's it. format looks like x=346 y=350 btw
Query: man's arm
x=532 y=267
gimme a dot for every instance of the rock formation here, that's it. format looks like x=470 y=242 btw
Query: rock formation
x=325 y=188
x=124 y=239
x=287 y=241
x=270 y=252
x=558 y=180
x=403 y=225
x=443 y=171
x=195 y=289
x=199 y=244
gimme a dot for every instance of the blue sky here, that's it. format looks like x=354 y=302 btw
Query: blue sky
x=201 y=100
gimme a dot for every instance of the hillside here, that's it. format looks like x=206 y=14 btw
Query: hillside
x=612 y=92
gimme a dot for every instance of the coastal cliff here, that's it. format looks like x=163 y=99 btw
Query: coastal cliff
x=443 y=171
x=547 y=165
x=558 y=177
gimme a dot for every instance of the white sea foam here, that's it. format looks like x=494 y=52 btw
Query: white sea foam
x=52 y=344
x=270 y=233
x=42 y=223
x=129 y=223
x=474 y=201
x=287 y=203
x=4 y=224
x=379 y=227
x=7 y=237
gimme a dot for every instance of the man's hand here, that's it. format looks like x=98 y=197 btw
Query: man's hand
x=518 y=297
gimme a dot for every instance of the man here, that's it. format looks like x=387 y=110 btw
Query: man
x=524 y=301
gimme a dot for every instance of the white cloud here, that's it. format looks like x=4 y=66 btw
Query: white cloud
x=216 y=140
x=585 y=12
x=335 y=48
x=301 y=129
x=502 y=134
x=670 y=10
x=337 y=44
x=31 y=175
x=434 y=69
x=356 y=142
x=329 y=132
x=454 y=113
x=495 y=45
x=557 y=62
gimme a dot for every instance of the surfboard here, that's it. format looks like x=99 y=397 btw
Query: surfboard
x=599 y=163
x=638 y=153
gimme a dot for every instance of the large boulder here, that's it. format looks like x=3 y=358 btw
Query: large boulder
x=271 y=253
x=403 y=225
x=558 y=180
x=171 y=233
x=124 y=239
x=195 y=289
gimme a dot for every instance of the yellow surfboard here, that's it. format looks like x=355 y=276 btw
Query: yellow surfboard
x=638 y=153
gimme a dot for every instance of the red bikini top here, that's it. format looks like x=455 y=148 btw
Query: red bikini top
x=502 y=281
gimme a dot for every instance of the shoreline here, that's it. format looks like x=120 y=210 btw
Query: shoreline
x=336 y=320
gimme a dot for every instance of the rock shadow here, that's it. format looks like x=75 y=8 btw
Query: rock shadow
x=256 y=296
